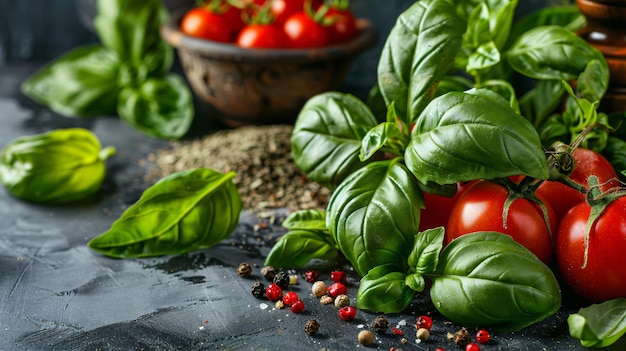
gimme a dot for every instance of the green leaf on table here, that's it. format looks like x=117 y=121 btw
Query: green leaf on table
x=183 y=212
x=60 y=166
x=599 y=325
x=298 y=247
x=306 y=220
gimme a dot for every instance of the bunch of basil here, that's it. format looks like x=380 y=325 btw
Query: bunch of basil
x=128 y=74
x=445 y=110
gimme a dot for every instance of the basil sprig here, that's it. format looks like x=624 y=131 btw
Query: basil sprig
x=56 y=167
x=599 y=325
x=127 y=75
x=183 y=212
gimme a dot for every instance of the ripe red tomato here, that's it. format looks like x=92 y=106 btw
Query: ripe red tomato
x=261 y=36
x=233 y=16
x=604 y=276
x=304 y=32
x=437 y=208
x=203 y=24
x=343 y=27
x=480 y=206
x=587 y=162
x=283 y=9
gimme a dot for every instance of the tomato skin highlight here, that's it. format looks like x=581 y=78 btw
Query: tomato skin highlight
x=261 y=36
x=203 y=24
x=480 y=206
x=604 y=276
x=303 y=32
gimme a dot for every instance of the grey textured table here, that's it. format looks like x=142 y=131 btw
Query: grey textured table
x=56 y=294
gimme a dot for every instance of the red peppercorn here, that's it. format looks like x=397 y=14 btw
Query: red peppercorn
x=337 y=289
x=483 y=336
x=338 y=277
x=472 y=347
x=440 y=349
x=347 y=313
x=290 y=298
x=297 y=306
x=424 y=322
x=311 y=276
x=397 y=331
x=274 y=292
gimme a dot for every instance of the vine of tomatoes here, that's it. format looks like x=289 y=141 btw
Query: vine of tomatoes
x=276 y=24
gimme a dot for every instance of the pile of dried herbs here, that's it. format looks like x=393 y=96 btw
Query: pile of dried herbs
x=260 y=155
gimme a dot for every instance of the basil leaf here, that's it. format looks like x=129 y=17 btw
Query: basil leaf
x=615 y=151
x=383 y=289
x=306 y=220
x=599 y=325
x=183 y=212
x=130 y=27
x=538 y=103
x=425 y=255
x=60 y=166
x=593 y=81
x=386 y=136
x=326 y=138
x=80 y=83
x=488 y=279
x=551 y=52
x=418 y=53
x=298 y=247
x=374 y=215
x=565 y=16
x=485 y=57
x=467 y=136
x=145 y=108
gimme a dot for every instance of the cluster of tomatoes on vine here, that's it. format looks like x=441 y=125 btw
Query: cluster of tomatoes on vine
x=272 y=24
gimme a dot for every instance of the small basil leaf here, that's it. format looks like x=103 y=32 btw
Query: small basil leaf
x=145 y=108
x=615 y=151
x=565 y=16
x=418 y=53
x=82 y=82
x=415 y=281
x=541 y=101
x=551 y=52
x=60 y=166
x=487 y=279
x=593 y=81
x=374 y=215
x=306 y=220
x=183 y=212
x=326 y=138
x=386 y=136
x=467 y=136
x=425 y=255
x=485 y=57
x=599 y=325
x=384 y=289
x=298 y=247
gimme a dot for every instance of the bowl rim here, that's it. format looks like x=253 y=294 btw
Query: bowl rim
x=171 y=33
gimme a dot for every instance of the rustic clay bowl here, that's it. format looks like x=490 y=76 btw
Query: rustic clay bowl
x=260 y=86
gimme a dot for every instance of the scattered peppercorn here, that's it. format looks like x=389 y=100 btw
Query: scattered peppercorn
x=397 y=331
x=347 y=313
x=423 y=322
x=311 y=276
x=365 y=337
x=380 y=324
x=483 y=336
x=280 y=304
x=342 y=301
x=462 y=337
x=297 y=307
x=268 y=272
x=311 y=327
x=273 y=292
x=337 y=289
x=472 y=347
x=244 y=270
x=422 y=334
x=293 y=279
x=325 y=300
x=258 y=290
x=338 y=276
x=290 y=298
x=281 y=279
x=319 y=288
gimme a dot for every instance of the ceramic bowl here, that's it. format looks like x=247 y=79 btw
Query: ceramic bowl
x=239 y=86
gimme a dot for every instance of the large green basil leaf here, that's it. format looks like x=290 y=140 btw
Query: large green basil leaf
x=326 y=138
x=161 y=107
x=551 y=52
x=565 y=16
x=83 y=82
x=383 y=289
x=306 y=220
x=418 y=53
x=374 y=215
x=298 y=247
x=487 y=279
x=599 y=325
x=131 y=27
x=183 y=212
x=60 y=166
x=475 y=135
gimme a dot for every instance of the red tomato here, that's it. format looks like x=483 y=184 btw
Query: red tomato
x=587 y=162
x=233 y=16
x=343 y=27
x=304 y=32
x=604 y=276
x=201 y=23
x=480 y=206
x=261 y=36
x=437 y=208
x=283 y=9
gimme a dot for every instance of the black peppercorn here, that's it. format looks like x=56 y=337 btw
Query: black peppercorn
x=244 y=270
x=311 y=327
x=281 y=279
x=258 y=290
x=269 y=273
x=462 y=337
x=380 y=324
